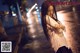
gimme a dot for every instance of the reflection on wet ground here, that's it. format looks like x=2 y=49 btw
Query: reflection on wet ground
x=38 y=43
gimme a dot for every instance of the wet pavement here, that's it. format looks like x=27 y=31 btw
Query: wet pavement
x=38 y=42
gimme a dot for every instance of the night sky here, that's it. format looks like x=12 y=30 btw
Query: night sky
x=3 y=7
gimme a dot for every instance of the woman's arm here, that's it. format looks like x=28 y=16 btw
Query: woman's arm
x=62 y=27
x=53 y=23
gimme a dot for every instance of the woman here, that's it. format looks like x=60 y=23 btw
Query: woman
x=53 y=29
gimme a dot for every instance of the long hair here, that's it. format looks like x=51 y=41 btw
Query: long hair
x=44 y=10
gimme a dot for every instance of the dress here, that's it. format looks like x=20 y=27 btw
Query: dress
x=56 y=35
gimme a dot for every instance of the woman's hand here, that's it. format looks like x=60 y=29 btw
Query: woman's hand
x=61 y=25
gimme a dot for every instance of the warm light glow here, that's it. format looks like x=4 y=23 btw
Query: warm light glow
x=28 y=14
x=34 y=36
x=32 y=8
x=60 y=16
x=65 y=18
x=29 y=20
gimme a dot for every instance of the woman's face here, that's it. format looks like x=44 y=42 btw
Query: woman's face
x=50 y=11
